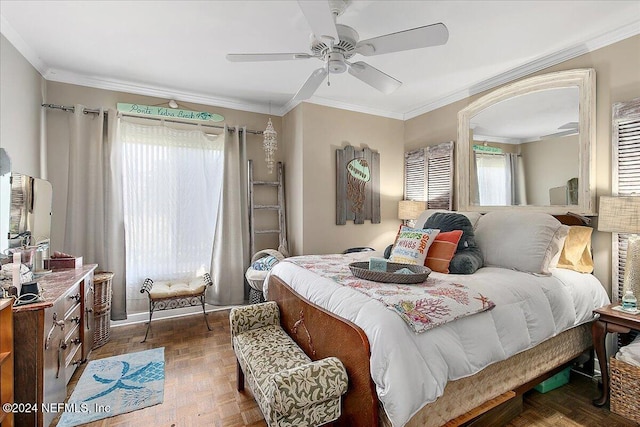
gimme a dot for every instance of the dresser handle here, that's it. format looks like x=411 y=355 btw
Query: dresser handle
x=75 y=341
x=75 y=297
x=75 y=319
x=56 y=322
x=86 y=316
x=61 y=347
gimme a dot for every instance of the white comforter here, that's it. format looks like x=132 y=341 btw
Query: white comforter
x=411 y=370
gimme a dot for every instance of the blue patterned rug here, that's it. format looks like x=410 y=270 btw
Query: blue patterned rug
x=116 y=385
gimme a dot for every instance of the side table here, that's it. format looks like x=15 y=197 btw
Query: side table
x=610 y=320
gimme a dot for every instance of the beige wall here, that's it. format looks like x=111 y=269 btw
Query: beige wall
x=20 y=98
x=546 y=166
x=617 y=79
x=319 y=132
x=292 y=136
x=57 y=135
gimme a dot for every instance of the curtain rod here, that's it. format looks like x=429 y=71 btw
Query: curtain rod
x=72 y=109
x=495 y=154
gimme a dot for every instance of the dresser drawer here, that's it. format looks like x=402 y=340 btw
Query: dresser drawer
x=72 y=319
x=71 y=298
x=70 y=347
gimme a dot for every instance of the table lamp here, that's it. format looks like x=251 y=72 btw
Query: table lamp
x=621 y=214
x=409 y=210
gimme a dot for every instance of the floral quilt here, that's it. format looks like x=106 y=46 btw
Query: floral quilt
x=422 y=306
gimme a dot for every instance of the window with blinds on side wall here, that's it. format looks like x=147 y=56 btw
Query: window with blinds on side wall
x=428 y=175
x=626 y=173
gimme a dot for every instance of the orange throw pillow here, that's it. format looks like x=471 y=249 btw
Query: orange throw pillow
x=442 y=251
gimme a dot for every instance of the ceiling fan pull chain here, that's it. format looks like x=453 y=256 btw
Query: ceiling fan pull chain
x=328 y=75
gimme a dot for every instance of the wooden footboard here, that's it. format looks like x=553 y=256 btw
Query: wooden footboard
x=321 y=334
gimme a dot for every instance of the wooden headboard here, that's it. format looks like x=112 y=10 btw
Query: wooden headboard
x=573 y=219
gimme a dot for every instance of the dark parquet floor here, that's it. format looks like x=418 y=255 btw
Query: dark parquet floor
x=200 y=382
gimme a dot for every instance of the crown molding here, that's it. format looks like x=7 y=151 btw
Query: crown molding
x=343 y=106
x=63 y=76
x=603 y=40
x=21 y=46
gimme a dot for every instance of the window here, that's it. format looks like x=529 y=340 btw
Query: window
x=429 y=175
x=626 y=174
x=500 y=178
x=172 y=185
x=492 y=179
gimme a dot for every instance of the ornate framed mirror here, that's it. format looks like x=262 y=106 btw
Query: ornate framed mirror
x=530 y=146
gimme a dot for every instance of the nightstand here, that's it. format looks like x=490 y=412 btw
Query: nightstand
x=610 y=320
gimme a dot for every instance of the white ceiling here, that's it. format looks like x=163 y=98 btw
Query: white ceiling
x=176 y=49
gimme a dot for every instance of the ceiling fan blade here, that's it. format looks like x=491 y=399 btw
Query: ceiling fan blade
x=416 y=38
x=374 y=77
x=256 y=57
x=320 y=18
x=311 y=85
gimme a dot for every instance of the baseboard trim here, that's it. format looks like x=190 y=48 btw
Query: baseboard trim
x=143 y=317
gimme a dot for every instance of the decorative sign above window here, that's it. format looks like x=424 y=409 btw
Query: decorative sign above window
x=487 y=149
x=166 y=112
x=357 y=186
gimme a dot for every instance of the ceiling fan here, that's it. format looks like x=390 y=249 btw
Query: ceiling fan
x=335 y=43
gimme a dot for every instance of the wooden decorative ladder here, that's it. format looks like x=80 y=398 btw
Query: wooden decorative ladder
x=279 y=207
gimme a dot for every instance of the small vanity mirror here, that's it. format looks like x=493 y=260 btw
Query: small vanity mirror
x=528 y=146
x=25 y=210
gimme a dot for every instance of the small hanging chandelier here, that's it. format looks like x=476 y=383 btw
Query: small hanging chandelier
x=270 y=145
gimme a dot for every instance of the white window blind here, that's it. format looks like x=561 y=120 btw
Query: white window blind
x=626 y=173
x=172 y=185
x=415 y=176
x=429 y=175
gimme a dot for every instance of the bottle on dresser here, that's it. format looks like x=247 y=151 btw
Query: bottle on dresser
x=629 y=301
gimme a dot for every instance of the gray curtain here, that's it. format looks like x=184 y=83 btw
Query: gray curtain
x=516 y=190
x=94 y=224
x=231 y=240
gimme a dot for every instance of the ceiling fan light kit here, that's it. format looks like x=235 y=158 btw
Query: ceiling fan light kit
x=334 y=44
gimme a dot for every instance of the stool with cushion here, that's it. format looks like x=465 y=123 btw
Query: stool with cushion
x=168 y=294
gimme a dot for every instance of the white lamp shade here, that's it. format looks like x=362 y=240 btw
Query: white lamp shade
x=410 y=209
x=619 y=214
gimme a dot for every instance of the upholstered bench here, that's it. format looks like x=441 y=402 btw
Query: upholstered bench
x=165 y=295
x=290 y=389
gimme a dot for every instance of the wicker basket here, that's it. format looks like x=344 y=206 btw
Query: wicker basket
x=101 y=308
x=257 y=283
x=255 y=296
x=420 y=273
x=625 y=389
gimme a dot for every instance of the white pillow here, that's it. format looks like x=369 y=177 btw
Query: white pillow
x=412 y=244
x=524 y=241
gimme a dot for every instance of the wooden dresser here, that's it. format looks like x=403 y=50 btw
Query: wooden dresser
x=51 y=339
x=6 y=360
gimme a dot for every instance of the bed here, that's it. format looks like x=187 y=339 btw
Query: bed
x=402 y=378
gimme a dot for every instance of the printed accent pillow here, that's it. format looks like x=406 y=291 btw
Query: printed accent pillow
x=412 y=245
x=576 y=252
x=442 y=251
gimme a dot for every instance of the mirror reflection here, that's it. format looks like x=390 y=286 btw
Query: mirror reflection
x=30 y=220
x=529 y=145
x=525 y=150
x=26 y=205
